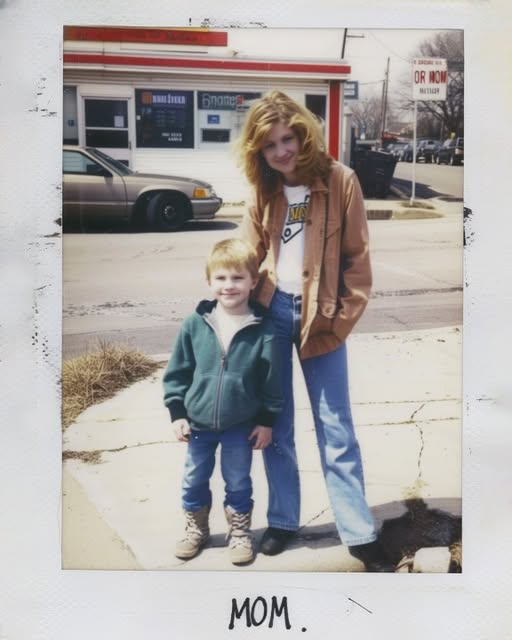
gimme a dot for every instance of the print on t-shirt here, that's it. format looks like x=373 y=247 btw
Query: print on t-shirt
x=295 y=219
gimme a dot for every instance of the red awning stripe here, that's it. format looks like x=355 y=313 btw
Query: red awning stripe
x=328 y=69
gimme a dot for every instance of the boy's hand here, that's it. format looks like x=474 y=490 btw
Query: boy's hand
x=261 y=436
x=182 y=429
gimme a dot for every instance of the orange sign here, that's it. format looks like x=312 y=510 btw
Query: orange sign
x=202 y=37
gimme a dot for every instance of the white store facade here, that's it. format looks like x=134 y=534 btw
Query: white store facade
x=173 y=101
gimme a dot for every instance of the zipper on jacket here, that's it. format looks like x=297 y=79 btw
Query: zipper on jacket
x=223 y=359
x=218 y=395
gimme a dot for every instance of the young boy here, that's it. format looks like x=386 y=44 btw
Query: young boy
x=223 y=386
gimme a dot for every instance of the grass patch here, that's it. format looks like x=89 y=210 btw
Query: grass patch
x=417 y=204
x=99 y=375
x=415 y=214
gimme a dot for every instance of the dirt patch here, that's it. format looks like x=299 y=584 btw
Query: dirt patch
x=89 y=457
x=422 y=527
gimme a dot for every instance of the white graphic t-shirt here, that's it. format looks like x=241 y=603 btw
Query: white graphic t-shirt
x=291 y=254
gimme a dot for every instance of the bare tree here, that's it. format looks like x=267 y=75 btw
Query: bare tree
x=367 y=117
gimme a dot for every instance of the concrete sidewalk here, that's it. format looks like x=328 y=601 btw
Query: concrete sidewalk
x=395 y=207
x=123 y=468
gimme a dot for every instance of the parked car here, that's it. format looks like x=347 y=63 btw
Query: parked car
x=407 y=153
x=98 y=187
x=451 y=151
x=427 y=150
x=397 y=149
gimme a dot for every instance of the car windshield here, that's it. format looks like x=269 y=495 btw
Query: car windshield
x=119 y=166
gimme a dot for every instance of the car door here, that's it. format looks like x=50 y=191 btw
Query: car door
x=91 y=191
x=446 y=149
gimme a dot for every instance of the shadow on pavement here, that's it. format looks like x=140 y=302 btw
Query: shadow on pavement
x=420 y=525
x=200 y=225
x=422 y=191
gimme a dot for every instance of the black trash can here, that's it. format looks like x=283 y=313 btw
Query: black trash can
x=375 y=171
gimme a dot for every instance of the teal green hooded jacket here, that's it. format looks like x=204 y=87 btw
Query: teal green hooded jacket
x=216 y=390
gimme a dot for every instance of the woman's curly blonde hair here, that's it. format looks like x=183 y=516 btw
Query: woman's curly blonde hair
x=313 y=160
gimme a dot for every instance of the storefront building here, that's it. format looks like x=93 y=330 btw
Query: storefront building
x=173 y=101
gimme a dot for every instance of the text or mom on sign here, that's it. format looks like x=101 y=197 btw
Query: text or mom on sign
x=429 y=78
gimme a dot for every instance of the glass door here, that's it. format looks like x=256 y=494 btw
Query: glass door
x=106 y=126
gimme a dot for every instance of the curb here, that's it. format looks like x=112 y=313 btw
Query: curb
x=392 y=211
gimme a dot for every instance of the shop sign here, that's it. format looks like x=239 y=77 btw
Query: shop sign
x=202 y=37
x=351 y=90
x=164 y=118
x=223 y=100
x=429 y=79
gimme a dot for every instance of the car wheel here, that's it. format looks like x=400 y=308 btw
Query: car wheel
x=167 y=212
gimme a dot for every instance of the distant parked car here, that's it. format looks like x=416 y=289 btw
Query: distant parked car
x=397 y=149
x=451 y=151
x=427 y=150
x=97 y=187
x=407 y=153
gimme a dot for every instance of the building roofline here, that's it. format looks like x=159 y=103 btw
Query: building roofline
x=321 y=69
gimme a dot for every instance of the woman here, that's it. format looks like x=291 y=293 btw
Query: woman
x=308 y=224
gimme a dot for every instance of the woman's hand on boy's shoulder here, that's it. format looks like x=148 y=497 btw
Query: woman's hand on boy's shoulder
x=261 y=437
x=182 y=429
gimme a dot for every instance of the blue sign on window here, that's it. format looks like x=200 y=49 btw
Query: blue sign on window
x=213 y=118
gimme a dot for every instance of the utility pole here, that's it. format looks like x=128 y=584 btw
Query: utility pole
x=385 y=101
x=344 y=44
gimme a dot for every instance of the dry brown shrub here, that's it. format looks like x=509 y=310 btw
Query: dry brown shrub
x=97 y=376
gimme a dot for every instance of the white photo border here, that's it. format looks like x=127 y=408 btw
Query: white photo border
x=37 y=598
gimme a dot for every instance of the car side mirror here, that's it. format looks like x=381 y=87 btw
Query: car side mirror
x=98 y=170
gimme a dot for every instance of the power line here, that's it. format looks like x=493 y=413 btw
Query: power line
x=408 y=60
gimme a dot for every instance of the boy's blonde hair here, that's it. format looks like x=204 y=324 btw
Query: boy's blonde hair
x=313 y=160
x=232 y=253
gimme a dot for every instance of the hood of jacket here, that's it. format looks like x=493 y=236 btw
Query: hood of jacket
x=216 y=389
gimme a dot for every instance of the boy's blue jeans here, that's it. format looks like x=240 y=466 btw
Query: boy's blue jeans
x=326 y=378
x=235 y=462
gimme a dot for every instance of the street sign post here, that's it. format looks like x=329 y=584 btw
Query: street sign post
x=429 y=82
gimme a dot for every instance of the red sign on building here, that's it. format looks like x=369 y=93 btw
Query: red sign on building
x=202 y=37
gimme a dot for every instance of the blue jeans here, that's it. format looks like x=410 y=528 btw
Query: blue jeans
x=235 y=461
x=326 y=380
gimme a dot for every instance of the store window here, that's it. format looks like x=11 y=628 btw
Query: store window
x=164 y=119
x=318 y=106
x=106 y=123
x=221 y=114
x=215 y=135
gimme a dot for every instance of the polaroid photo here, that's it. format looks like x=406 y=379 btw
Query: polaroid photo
x=134 y=174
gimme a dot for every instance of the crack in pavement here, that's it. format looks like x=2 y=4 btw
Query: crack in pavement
x=320 y=535
x=374 y=402
x=422 y=439
x=93 y=456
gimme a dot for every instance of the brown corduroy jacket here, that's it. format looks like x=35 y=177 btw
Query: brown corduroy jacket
x=336 y=278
